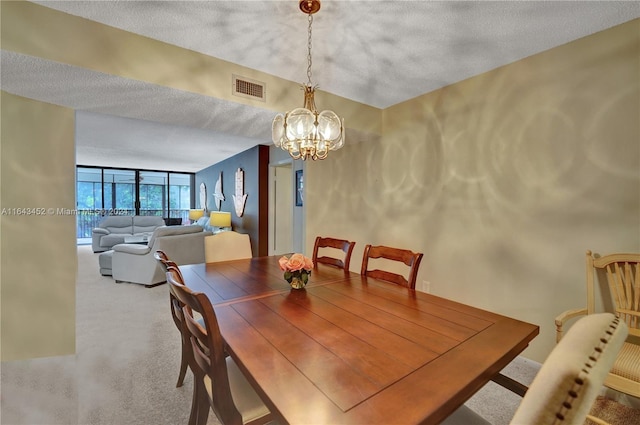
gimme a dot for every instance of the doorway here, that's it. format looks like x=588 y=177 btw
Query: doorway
x=281 y=209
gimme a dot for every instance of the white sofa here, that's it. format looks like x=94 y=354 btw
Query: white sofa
x=113 y=229
x=135 y=263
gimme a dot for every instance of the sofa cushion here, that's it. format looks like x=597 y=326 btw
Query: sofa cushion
x=118 y=224
x=113 y=239
x=146 y=224
x=104 y=260
x=131 y=248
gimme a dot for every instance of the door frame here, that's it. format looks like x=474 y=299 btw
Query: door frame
x=272 y=203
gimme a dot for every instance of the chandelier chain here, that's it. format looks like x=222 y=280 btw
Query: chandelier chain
x=309 y=50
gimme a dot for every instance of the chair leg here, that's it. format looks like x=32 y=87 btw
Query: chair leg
x=203 y=405
x=183 y=366
x=193 y=416
x=199 y=403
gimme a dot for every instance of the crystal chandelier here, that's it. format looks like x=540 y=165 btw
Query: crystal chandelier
x=303 y=132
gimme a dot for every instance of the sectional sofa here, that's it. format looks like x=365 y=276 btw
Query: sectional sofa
x=113 y=229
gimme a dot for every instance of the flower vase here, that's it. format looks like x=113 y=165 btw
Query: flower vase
x=297 y=283
x=296 y=270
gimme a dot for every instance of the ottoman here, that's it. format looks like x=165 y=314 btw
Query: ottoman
x=104 y=260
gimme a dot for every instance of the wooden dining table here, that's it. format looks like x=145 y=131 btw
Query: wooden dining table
x=348 y=349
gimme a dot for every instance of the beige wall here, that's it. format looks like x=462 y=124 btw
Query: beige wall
x=503 y=180
x=38 y=260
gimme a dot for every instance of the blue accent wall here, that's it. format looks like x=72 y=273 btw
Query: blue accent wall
x=254 y=222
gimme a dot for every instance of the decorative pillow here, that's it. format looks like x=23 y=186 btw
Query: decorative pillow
x=204 y=222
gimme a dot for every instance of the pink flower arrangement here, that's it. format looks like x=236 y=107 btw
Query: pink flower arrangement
x=296 y=268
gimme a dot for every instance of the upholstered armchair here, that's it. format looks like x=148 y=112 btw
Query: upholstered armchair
x=136 y=263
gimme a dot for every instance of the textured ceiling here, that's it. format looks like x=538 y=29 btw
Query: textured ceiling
x=375 y=52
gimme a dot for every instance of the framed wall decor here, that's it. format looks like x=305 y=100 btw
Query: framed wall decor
x=299 y=188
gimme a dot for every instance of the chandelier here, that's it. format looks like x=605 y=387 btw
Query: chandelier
x=303 y=132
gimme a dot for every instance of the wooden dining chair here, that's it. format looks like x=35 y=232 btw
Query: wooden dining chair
x=160 y=256
x=622 y=271
x=176 y=312
x=570 y=379
x=337 y=244
x=409 y=258
x=219 y=384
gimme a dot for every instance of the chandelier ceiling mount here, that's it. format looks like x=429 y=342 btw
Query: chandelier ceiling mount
x=309 y=7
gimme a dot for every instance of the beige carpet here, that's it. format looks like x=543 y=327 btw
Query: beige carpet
x=126 y=366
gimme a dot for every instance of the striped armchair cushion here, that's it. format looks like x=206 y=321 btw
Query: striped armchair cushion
x=627 y=364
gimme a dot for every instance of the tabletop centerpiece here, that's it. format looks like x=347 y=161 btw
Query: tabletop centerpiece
x=297 y=269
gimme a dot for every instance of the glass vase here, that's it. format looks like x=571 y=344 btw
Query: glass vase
x=297 y=283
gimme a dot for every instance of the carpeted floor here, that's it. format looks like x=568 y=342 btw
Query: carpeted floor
x=497 y=404
x=126 y=366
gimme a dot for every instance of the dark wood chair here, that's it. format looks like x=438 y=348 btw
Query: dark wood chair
x=409 y=258
x=160 y=256
x=341 y=244
x=176 y=312
x=219 y=384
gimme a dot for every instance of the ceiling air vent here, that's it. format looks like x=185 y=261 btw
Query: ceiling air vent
x=246 y=87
